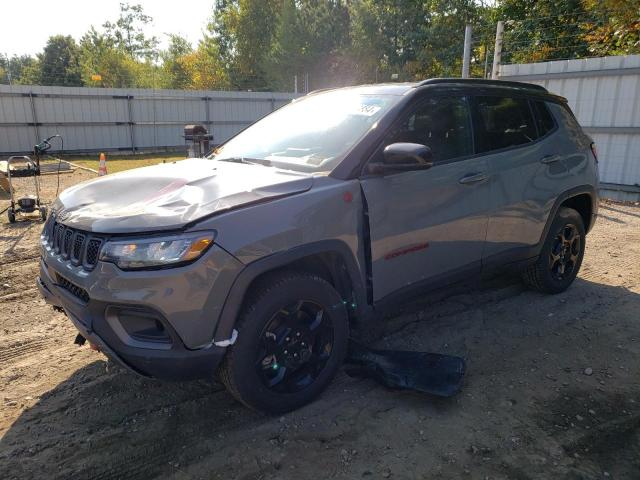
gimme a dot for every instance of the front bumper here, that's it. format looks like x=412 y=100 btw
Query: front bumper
x=169 y=360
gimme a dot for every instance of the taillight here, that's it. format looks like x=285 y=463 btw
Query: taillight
x=594 y=150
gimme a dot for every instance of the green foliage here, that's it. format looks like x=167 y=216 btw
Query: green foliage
x=127 y=34
x=59 y=63
x=620 y=34
x=175 y=74
x=243 y=32
x=104 y=65
x=264 y=44
x=412 y=39
x=18 y=69
x=311 y=37
x=204 y=69
x=544 y=30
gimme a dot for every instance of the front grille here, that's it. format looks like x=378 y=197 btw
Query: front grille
x=93 y=248
x=79 y=247
x=72 y=288
x=66 y=247
x=78 y=243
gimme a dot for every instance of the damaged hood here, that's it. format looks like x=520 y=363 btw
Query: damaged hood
x=170 y=195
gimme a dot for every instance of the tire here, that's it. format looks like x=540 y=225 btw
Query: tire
x=12 y=215
x=561 y=255
x=43 y=213
x=256 y=370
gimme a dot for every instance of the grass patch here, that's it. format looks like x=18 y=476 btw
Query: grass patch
x=118 y=163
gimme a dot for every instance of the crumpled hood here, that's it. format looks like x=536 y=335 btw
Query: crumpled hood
x=170 y=195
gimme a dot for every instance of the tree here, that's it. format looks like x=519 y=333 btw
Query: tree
x=104 y=65
x=22 y=69
x=60 y=63
x=409 y=38
x=243 y=32
x=540 y=30
x=620 y=34
x=286 y=56
x=324 y=32
x=204 y=69
x=127 y=32
x=175 y=73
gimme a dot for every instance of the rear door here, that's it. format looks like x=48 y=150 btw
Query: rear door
x=516 y=136
x=426 y=225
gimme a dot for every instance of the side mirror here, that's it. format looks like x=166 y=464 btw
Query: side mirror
x=403 y=157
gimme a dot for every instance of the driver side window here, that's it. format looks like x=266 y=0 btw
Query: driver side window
x=441 y=123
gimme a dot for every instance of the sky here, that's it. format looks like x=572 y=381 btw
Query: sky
x=26 y=25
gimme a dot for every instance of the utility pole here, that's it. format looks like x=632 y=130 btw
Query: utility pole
x=466 y=56
x=497 y=51
x=486 y=60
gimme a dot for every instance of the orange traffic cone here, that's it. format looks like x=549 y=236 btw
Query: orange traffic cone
x=102 y=169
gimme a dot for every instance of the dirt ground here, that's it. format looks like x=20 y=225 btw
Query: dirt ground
x=552 y=390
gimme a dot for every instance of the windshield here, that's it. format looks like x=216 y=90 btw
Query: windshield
x=311 y=134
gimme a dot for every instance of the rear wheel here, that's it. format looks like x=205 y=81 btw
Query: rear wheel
x=12 y=215
x=43 y=213
x=292 y=338
x=561 y=255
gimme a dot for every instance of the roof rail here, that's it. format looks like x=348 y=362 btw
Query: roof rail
x=482 y=81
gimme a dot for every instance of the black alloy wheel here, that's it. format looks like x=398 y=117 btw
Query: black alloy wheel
x=565 y=251
x=296 y=344
x=293 y=335
x=561 y=256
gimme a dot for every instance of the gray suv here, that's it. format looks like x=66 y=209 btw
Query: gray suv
x=256 y=263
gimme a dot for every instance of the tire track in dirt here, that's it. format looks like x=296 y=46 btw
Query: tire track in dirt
x=19 y=349
x=12 y=262
x=186 y=447
x=151 y=459
x=17 y=279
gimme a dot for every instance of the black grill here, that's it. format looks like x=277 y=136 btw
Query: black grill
x=79 y=247
x=66 y=248
x=93 y=248
x=78 y=243
x=72 y=288
x=58 y=233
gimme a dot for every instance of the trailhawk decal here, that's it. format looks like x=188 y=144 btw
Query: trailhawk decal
x=406 y=250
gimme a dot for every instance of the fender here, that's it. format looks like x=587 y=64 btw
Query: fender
x=517 y=258
x=235 y=298
x=573 y=192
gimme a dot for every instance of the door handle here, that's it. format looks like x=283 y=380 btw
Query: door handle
x=547 y=159
x=473 y=178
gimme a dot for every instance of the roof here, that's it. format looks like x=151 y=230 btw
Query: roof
x=403 y=88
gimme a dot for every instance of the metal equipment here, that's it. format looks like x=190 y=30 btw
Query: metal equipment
x=23 y=166
x=197 y=139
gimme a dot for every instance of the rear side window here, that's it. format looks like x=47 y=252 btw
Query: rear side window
x=544 y=119
x=502 y=122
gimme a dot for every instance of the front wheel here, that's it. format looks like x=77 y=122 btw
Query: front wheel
x=292 y=338
x=561 y=255
x=12 y=215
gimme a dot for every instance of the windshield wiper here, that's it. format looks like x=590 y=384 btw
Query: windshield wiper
x=248 y=161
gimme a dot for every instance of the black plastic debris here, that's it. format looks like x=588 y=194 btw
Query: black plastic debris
x=432 y=373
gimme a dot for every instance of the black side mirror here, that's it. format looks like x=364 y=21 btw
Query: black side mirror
x=403 y=157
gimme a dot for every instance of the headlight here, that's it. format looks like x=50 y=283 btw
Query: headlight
x=156 y=251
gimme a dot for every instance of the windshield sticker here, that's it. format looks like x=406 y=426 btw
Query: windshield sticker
x=367 y=110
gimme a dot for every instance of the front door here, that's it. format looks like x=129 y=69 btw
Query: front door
x=426 y=225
